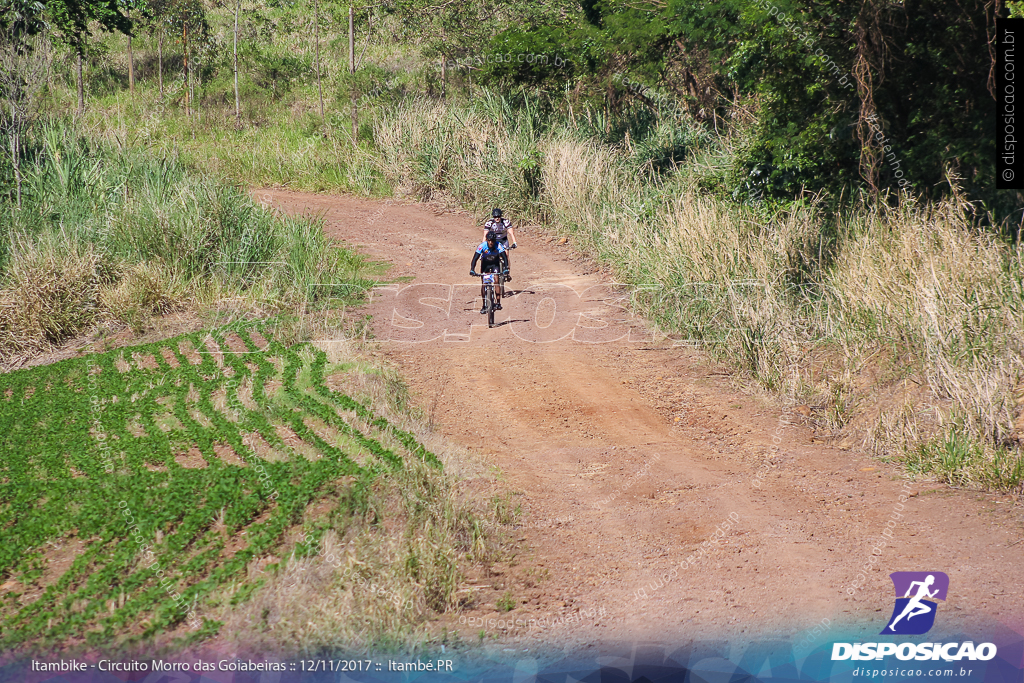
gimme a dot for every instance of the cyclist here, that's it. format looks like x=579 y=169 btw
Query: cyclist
x=502 y=229
x=493 y=259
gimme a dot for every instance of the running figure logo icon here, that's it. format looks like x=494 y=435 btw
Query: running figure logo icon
x=914 y=612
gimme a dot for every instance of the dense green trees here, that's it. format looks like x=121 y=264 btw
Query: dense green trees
x=830 y=95
x=873 y=94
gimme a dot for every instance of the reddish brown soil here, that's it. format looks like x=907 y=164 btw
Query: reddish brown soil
x=630 y=451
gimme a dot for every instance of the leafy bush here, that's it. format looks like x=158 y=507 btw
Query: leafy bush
x=279 y=73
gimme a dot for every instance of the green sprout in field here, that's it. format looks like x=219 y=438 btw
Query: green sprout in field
x=147 y=459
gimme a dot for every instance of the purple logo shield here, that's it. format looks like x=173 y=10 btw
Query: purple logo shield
x=916 y=593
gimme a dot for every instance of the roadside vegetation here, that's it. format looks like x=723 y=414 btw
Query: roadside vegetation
x=837 y=310
x=113 y=236
x=216 y=478
x=699 y=149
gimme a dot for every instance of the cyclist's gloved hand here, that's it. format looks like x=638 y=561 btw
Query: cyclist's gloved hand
x=513 y=245
x=472 y=273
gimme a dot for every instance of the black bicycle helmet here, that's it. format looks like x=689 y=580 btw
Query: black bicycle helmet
x=496 y=213
x=491 y=237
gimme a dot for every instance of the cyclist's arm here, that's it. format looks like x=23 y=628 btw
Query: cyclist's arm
x=476 y=257
x=511 y=235
x=504 y=260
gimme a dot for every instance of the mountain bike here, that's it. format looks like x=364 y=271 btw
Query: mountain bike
x=489 y=281
x=490 y=301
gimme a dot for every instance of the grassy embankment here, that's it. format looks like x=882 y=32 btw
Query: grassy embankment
x=232 y=455
x=115 y=236
x=901 y=327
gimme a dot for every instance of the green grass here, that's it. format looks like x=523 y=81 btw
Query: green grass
x=960 y=460
x=507 y=510
x=83 y=443
x=507 y=602
x=108 y=234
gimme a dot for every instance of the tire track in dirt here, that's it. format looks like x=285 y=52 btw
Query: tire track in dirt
x=631 y=452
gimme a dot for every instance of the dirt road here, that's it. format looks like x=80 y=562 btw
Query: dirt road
x=632 y=453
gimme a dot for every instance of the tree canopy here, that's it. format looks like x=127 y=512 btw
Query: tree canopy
x=872 y=93
x=69 y=19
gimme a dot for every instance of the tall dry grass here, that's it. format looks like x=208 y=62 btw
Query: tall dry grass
x=108 y=235
x=51 y=291
x=920 y=284
x=924 y=277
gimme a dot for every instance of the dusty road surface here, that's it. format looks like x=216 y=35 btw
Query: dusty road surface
x=631 y=452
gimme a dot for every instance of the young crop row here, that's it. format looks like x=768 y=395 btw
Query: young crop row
x=145 y=462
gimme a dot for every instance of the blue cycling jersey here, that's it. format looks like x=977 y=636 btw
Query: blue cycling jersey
x=490 y=254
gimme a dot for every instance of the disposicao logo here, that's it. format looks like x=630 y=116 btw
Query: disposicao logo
x=914 y=612
x=949 y=652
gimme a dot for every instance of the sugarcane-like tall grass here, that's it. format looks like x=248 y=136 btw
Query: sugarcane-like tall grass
x=108 y=234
